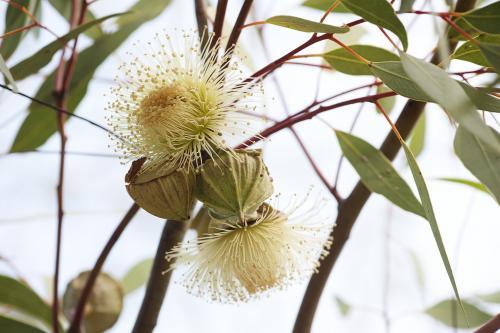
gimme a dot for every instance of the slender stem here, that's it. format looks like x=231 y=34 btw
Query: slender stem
x=492 y=326
x=351 y=207
x=15 y=31
x=159 y=278
x=220 y=13
x=89 y=284
x=238 y=25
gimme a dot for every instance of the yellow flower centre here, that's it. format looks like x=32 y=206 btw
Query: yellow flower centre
x=160 y=106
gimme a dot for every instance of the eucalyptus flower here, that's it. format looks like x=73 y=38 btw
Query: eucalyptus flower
x=177 y=106
x=239 y=260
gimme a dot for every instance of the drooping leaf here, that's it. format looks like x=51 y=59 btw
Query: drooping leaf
x=9 y=325
x=377 y=173
x=406 y=6
x=447 y=313
x=380 y=13
x=480 y=159
x=387 y=103
x=137 y=275
x=7 y=74
x=64 y=8
x=417 y=139
x=493 y=297
x=343 y=306
x=343 y=61
x=485 y=19
x=19 y=296
x=300 y=24
x=467 y=182
x=14 y=19
x=324 y=5
x=430 y=216
x=394 y=76
x=41 y=124
x=436 y=83
x=43 y=56
x=492 y=54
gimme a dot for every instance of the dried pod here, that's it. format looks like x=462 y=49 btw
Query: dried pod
x=164 y=193
x=234 y=184
x=104 y=305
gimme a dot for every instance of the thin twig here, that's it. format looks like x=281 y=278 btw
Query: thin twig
x=220 y=14
x=240 y=21
x=89 y=283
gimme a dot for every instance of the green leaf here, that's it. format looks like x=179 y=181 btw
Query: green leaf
x=64 y=8
x=40 y=124
x=469 y=51
x=380 y=13
x=324 y=5
x=447 y=313
x=429 y=213
x=481 y=99
x=9 y=325
x=343 y=61
x=406 y=6
x=394 y=76
x=300 y=24
x=387 y=103
x=480 y=159
x=377 y=173
x=436 y=83
x=485 y=19
x=43 y=56
x=19 y=296
x=5 y=71
x=417 y=140
x=491 y=297
x=137 y=276
x=14 y=19
x=344 y=307
x=492 y=54
x=470 y=183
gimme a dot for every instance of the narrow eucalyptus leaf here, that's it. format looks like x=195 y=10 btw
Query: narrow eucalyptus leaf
x=137 y=275
x=485 y=19
x=343 y=61
x=492 y=54
x=493 y=297
x=417 y=139
x=7 y=73
x=64 y=8
x=324 y=5
x=377 y=173
x=466 y=182
x=380 y=13
x=14 y=19
x=446 y=312
x=9 y=325
x=300 y=24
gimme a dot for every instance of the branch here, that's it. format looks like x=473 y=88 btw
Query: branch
x=491 y=326
x=220 y=13
x=89 y=284
x=351 y=207
x=159 y=278
x=201 y=21
x=240 y=21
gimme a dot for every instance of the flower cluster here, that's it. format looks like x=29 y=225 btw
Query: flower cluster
x=178 y=114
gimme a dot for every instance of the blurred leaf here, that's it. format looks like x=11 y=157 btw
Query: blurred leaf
x=406 y=6
x=14 y=19
x=417 y=140
x=419 y=272
x=64 y=8
x=21 y=297
x=394 y=76
x=36 y=9
x=481 y=98
x=5 y=71
x=492 y=54
x=380 y=13
x=9 y=325
x=480 y=159
x=447 y=313
x=377 y=173
x=436 y=83
x=491 y=297
x=41 y=124
x=485 y=19
x=469 y=51
x=343 y=61
x=300 y=24
x=42 y=57
x=137 y=276
x=387 y=103
x=324 y=5
x=344 y=307
x=470 y=183
x=429 y=213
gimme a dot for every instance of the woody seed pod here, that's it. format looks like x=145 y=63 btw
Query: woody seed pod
x=164 y=193
x=104 y=304
x=234 y=185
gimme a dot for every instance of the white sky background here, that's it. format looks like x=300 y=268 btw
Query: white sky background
x=95 y=198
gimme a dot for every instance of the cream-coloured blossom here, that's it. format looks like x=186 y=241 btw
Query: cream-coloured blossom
x=237 y=261
x=177 y=105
